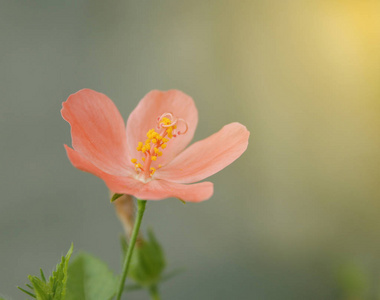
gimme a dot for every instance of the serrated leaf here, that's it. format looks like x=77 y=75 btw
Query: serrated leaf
x=89 y=278
x=115 y=197
x=58 y=280
x=55 y=288
x=41 y=289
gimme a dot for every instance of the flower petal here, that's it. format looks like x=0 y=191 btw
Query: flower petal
x=97 y=131
x=161 y=189
x=206 y=157
x=117 y=184
x=153 y=190
x=144 y=117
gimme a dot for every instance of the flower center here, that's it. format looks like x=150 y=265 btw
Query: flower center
x=167 y=128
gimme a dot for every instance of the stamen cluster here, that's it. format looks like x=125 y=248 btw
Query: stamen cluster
x=156 y=142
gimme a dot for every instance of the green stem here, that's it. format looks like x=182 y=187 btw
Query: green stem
x=153 y=290
x=140 y=212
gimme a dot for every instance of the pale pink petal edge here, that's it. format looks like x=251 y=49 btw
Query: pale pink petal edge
x=161 y=189
x=97 y=131
x=117 y=184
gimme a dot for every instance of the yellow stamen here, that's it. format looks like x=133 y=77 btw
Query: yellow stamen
x=166 y=121
x=150 y=147
x=149 y=133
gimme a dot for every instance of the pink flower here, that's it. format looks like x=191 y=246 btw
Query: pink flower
x=147 y=159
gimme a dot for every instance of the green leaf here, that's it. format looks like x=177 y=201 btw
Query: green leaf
x=165 y=277
x=55 y=288
x=42 y=275
x=90 y=279
x=25 y=291
x=115 y=197
x=41 y=289
x=148 y=262
x=59 y=279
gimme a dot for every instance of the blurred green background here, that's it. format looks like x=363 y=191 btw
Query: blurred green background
x=296 y=217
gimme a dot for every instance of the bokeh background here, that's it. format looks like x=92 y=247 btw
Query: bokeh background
x=296 y=217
